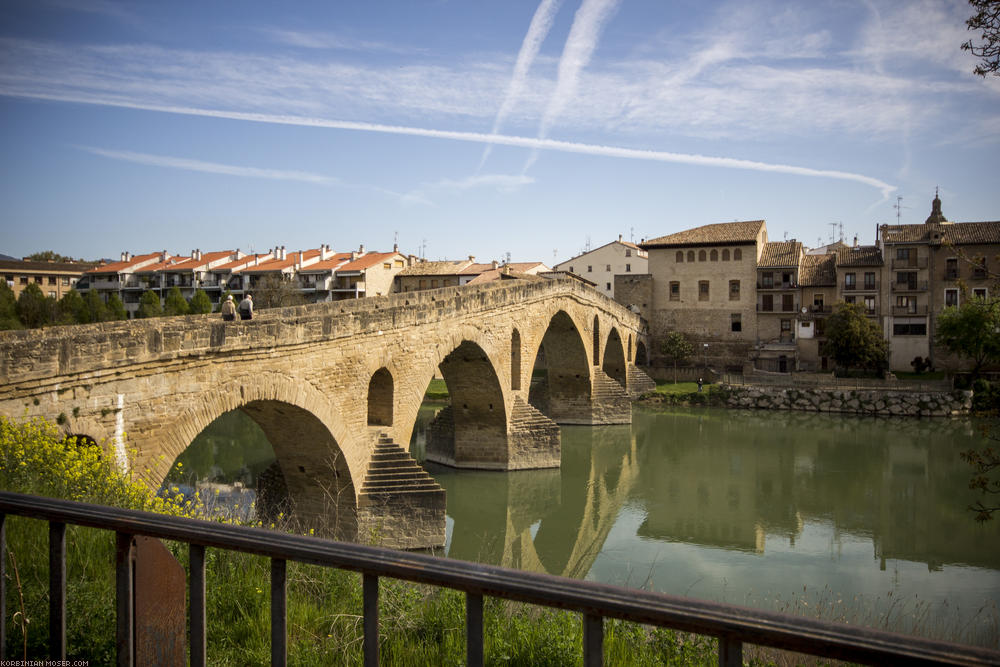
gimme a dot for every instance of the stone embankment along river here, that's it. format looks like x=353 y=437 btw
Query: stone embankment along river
x=857 y=401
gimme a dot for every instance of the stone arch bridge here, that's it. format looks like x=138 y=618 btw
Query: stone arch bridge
x=335 y=386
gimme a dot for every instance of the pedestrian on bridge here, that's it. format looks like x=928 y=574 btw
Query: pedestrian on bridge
x=246 y=307
x=228 y=309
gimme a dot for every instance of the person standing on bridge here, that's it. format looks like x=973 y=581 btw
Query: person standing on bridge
x=228 y=309
x=246 y=307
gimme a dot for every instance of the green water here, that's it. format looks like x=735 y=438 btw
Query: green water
x=845 y=518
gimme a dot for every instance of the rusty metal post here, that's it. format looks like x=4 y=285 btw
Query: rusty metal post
x=199 y=632
x=474 y=630
x=593 y=640
x=279 y=650
x=730 y=652
x=124 y=635
x=370 y=592
x=57 y=590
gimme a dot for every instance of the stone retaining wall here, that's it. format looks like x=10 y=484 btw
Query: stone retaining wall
x=862 y=402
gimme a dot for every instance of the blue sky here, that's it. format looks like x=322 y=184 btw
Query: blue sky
x=483 y=128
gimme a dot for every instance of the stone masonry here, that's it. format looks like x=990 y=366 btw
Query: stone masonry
x=328 y=382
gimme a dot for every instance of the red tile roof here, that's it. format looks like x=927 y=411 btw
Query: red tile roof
x=368 y=261
x=115 y=267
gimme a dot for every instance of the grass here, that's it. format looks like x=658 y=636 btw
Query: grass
x=437 y=390
x=920 y=377
x=668 y=387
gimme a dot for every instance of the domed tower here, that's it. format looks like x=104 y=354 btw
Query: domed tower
x=936 y=216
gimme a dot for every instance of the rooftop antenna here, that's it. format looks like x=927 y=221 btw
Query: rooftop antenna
x=899 y=207
x=631 y=234
x=588 y=242
x=507 y=257
x=395 y=238
x=423 y=249
x=833 y=229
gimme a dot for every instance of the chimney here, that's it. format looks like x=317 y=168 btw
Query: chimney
x=163 y=256
x=354 y=254
x=124 y=255
x=256 y=260
x=361 y=250
x=495 y=264
x=855 y=240
x=472 y=258
x=324 y=252
x=395 y=247
x=619 y=238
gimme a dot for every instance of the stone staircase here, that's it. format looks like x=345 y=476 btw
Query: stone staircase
x=638 y=382
x=526 y=418
x=392 y=470
x=611 y=404
x=534 y=439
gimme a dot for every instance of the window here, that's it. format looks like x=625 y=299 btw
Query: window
x=571 y=269
x=951 y=297
x=787 y=302
x=786 y=325
x=870 y=305
x=820 y=326
x=951 y=268
x=24 y=280
x=628 y=268
x=850 y=299
x=690 y=255
x=869 y=280
x=39 y=279
x=767 y=280
x=818 y=301
x=909 y=326
x=735 y=322
x=52 y=294
x=788 y=280
x=702 y=290
x=906 y=279
x=767 y=302
x=386 y=265
x=850 y=281
x=906 y=303
x=590 y=268
x=607 y=267
x=714 y=255
x=979 y=268
x=737 y=255
x=607 y=286
x=979 y=293
x=725 y=255
x=675 y=291
x=734 y=290
x=434 y=283
x=422 y=283
x=903 y=254
x=680 y=257
x=628 y=252
x=52 y=279
x=701 y=256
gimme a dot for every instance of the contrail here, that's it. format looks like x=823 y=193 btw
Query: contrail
x=188 y=164
x=477 y=137
x=588 y=22
x=538 y=30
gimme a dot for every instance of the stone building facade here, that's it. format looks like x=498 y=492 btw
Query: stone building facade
x=601 y=265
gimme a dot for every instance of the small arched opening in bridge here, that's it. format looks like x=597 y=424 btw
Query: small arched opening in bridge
x=640 y=354
x=560 y=385
x=614 y=359
x=472 y=430
x=380 y=397
x=597 y=341
x=515 y=360
x=276 y=458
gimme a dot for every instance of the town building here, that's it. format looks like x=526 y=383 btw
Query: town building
x=422 y=275
x=53 y=278
x=601 y=265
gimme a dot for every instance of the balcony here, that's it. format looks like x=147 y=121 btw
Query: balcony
x=910 y=286
x=912 y=263
x=909 y=310
x=820 y=308
x=951 y=274
x=777 y=285
x=777 y=308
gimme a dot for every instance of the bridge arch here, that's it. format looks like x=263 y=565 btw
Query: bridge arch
x=614 y=359
x=564 y=394
x=320 y=463
x=472 y=430
x=380 y=398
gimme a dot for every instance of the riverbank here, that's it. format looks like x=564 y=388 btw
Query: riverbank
x=876 y=402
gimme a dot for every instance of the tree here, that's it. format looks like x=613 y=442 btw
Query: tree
x=676 y=348
x=8 y=308
x=71 y=309
x=987 y=19
x=276 y=292
x=175 y=304
x=149 y=305
x=200 y=303
x=854 y=341
x=116 y=309
x=49 y=256
x=34 y=309
x=971 y=330
x=97 y=310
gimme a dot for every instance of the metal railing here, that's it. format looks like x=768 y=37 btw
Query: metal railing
x=732 y=625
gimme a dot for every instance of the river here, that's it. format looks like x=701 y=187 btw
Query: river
x=841 y=517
